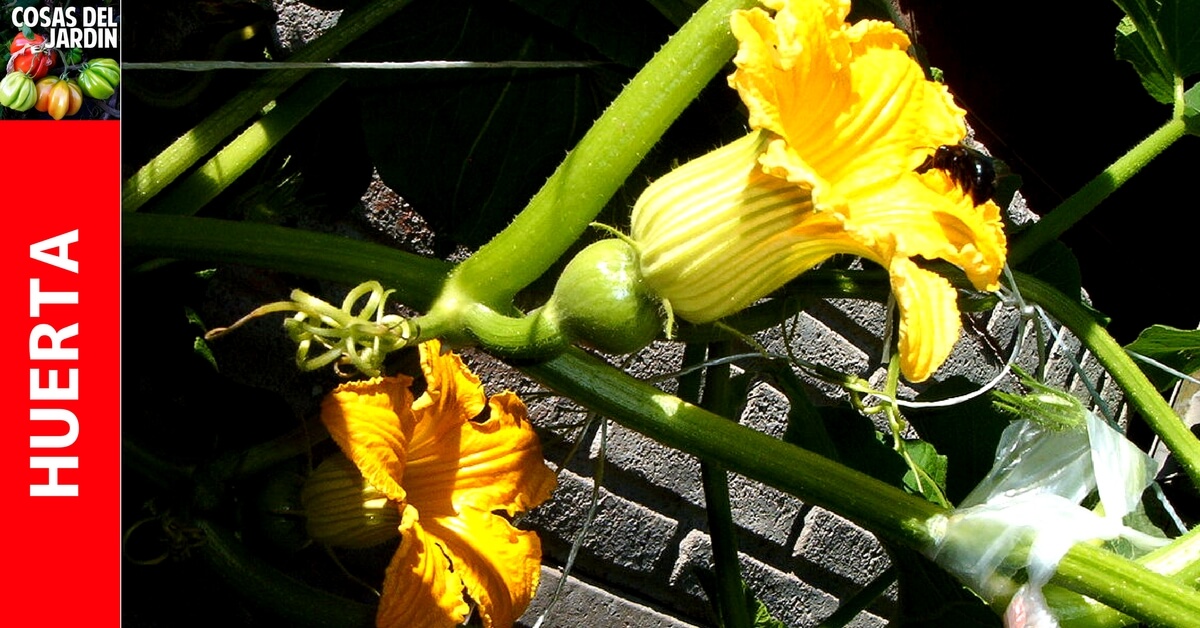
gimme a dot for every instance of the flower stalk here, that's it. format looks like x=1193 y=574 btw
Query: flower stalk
x=731 y=592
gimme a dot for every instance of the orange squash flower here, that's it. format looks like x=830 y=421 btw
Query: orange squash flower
x=841 y=119
x=436 y=471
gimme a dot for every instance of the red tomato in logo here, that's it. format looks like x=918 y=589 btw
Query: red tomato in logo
x=31 y=56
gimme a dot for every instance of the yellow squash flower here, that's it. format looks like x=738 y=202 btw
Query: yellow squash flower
x=437 y=471
x=841 y=120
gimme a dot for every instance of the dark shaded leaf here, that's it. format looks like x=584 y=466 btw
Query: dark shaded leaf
x=860 y=446
x=1132 y=46
x=1162 y=41
x=1056 y=265
x=1179 y=23
x=627 y=32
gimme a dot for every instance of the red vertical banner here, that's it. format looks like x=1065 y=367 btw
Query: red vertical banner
x=61 y=476
x=61 y=450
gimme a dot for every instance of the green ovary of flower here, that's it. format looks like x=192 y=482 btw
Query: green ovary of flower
x=841 y=119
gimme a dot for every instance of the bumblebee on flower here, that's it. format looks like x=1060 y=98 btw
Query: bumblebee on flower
x=842 y=119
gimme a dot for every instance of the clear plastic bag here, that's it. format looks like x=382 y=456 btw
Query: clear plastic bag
x=1026 y=513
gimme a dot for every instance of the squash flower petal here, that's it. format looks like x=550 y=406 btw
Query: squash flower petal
x=841 y=118
x=460 y=464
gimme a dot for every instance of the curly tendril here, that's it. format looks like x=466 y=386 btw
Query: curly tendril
x=361 y=339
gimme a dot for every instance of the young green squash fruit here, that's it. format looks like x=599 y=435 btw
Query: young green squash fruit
x=601 y=300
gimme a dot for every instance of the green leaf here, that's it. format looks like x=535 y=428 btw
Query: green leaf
x=760 y=612
x=1176 y=348
x=1133 y=47
x=1161 y=40
x=1179 y=23
x=755 y=609
x=927 y=476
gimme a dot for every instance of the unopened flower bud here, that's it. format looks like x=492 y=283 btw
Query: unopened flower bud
x=344 y=510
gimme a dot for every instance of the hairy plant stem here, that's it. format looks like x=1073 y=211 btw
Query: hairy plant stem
x=597 y=167
x=416 y=279
x=151 y=178
x=1072 y=210
x=1180 y=560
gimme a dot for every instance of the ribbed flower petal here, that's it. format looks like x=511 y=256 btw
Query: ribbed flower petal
x=851 y=110
x=717 y=233
x=451 y=389
x=499 y=564
x=342 y=509
x=493 y=462
x=927 y=215
x=929 y=323
x=372 y=422
x=974 y=233
x=493 y=465
x=419 y=588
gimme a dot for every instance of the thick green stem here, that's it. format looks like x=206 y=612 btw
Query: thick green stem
x=417 y=279
x=196 y=143
x=597 y=167
x=531 y=337
x=235 y=159
x=681 y=425
x=1180 y=560
x=1138 y=390
x=1128 y=587
x=880 y=508
x=1087 y=198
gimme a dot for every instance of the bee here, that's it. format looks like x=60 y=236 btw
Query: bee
x=972 y=170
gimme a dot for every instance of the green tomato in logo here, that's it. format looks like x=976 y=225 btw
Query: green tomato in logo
x=99 y=78
x=18 y=92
